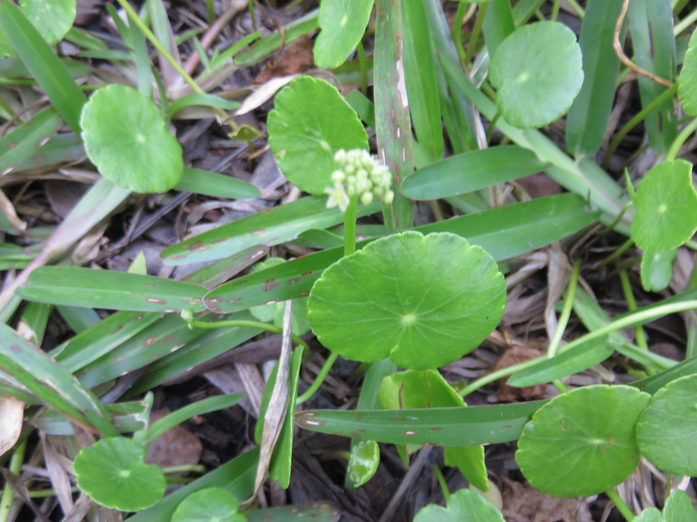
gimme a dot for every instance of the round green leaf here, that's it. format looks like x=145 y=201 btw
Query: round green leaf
x=666 y=205
x=687 y=82
x=343 y=24
x=209 y=505
x=538 y=71
x=649 y=515
x=363 y=462
x=464 y=505
x=666 y=429
x=126 y=137
x=424 y=301
x=310 y=124
x=114 y=474
x=52 y=18
x=582 y=442
x=679 y=508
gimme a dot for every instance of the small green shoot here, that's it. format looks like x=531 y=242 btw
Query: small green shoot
x=363 y=462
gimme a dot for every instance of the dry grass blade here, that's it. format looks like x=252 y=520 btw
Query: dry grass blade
x=278 y=405
x=11 y=414
x=57 y=474
x=80 y=509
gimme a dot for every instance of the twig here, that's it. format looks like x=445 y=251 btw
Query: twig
x=407 y=481
x=625 y=59
x=213 y=33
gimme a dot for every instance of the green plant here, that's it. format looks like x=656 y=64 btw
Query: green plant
x=402 y=300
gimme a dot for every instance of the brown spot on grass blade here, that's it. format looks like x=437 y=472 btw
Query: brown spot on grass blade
x=155 y=300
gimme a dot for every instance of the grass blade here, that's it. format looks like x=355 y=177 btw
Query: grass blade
x=44 y=65
x=651 y=22
x=213 y=184
x=197 y=408
x=393 y=126
x=420 y=75
x=504 y=233
x=268 y=228
x=590 y=112
x=567 y=363
x=43 y=377
x=498 y=24
x=205 y=100
x=74 y=286
x=472 y=171
x=202 y=349
x=439 y=426
x=24 y=141
x=153 y=343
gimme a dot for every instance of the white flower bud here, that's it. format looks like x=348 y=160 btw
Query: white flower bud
x=338 y=176
x=389 y=197
x=367 y=198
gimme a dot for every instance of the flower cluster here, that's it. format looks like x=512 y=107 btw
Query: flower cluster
x=362 y=176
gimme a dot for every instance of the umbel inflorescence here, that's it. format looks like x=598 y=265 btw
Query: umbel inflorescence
x=361 y=176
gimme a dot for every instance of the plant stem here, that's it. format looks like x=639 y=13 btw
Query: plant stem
x=475 y=33
x=669 y=484
x=320 y=378
x=441 y=479
x=210 y=12
x=638 y=329
x=555 y=10
x=364 y=68
x=249 y=324
x=655 y=104
x=617 y=253
x=566 y=311
x=161 y=49
x=350 y=227
x=685 y=23
x=457 y=30
x=682 y=138
x=624 y=508
x=8 y=494
x=186 y=468
x=577 y=8
x=492 y=126
x=640 y=316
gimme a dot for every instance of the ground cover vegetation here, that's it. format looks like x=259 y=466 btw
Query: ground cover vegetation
x=272 y=261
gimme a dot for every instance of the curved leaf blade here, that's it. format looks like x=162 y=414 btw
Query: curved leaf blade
x=439 y=426
x=504 y=233
x=214 y=184
x=111 y=290
x=472 y=171
x=44 y=65
x=268 y=228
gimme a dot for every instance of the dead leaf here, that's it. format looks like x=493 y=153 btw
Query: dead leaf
x=278 y=406
x=297 y=58
x=539 y=185
x=263 y=94
x=515 y=355
x=175 y=447
x=11 y=415
x=526 y=504
x=57 y=474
